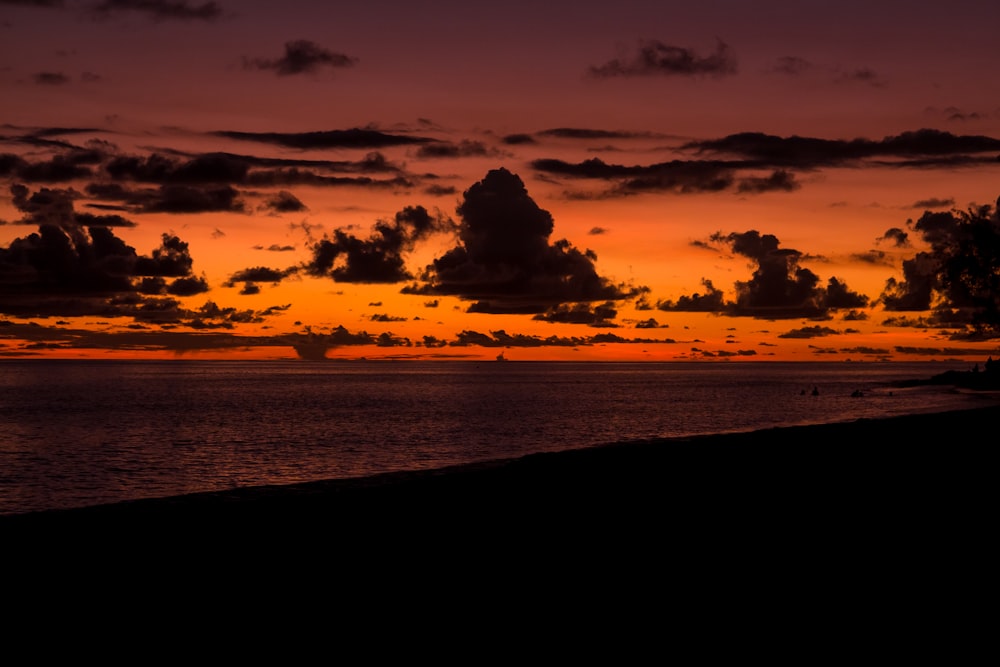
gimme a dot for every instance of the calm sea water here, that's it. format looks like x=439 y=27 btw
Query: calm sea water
x=77 y=433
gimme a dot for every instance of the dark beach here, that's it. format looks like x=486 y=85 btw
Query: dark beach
x=872 y=478
x=833 y=539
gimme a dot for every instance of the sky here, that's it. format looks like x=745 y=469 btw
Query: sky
x=589 y=181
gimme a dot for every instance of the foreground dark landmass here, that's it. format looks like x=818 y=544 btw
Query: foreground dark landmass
x=871 y=536
x=980 y=378
x=862 y=478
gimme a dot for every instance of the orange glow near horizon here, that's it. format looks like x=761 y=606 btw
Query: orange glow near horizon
x=265 y=186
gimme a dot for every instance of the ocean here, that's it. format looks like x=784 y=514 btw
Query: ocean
x=78 y=433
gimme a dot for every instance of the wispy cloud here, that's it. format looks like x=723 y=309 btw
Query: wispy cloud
x=158 y=10
x=301 y=57
x=654 y=58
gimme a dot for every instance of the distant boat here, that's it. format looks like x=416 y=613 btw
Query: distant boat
x=500 y=357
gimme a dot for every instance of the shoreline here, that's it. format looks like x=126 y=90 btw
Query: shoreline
x=908 y=465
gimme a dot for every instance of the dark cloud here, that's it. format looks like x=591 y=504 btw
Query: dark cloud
x=958 y=277
x=171 y=198
x=808 y=152
x=383 y=317
x=896 y=236
x=352 y=138
x=779 y=180
x=70 y=165
x=440 y=190
x=796 y=66
x=602 y=315
x=712 y=301
x=379 y=258
x=250 y=171
x=258 y=274
x=301 y=56
x=91 y=220
x=56 y=207
x=221 y=167
x=50 y=78
x=654 y=58
x=791 y=65
x=809 y=332
x=933 y=203
x=159 y=10
x=861 y=75
x=74 y=265
x=778 y=289
x=587 y=133
x=874 y=257
x=284 y=202
x=33 y=3
x=465 y=148
x=678 y=176
x=188 y=286
x=518 y=139
x=505 y=263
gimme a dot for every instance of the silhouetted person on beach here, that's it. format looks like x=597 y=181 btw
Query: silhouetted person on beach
x=815 y=391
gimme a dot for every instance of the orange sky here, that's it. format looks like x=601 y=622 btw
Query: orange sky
x=586 y=181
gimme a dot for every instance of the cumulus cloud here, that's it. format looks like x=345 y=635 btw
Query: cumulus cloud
x=712 y=301
x=778 y=289
x=505 y=262
x=66 y=268
x=381 y=257
x=301 y=57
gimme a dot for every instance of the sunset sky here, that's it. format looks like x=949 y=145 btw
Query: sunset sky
x=630 y=180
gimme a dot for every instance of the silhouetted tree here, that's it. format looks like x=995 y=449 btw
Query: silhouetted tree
x=959 y=277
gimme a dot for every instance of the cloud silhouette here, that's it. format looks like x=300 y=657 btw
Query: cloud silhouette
x=778 y=289
x=301 y=56
x=67 y=268
x=958 y=277
x=811 y=152
x=50 y=78
x=505 y=263
x=654 y=58
x=379 y=258
x=159 y=10
x=351 y=138
x=712 y=301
